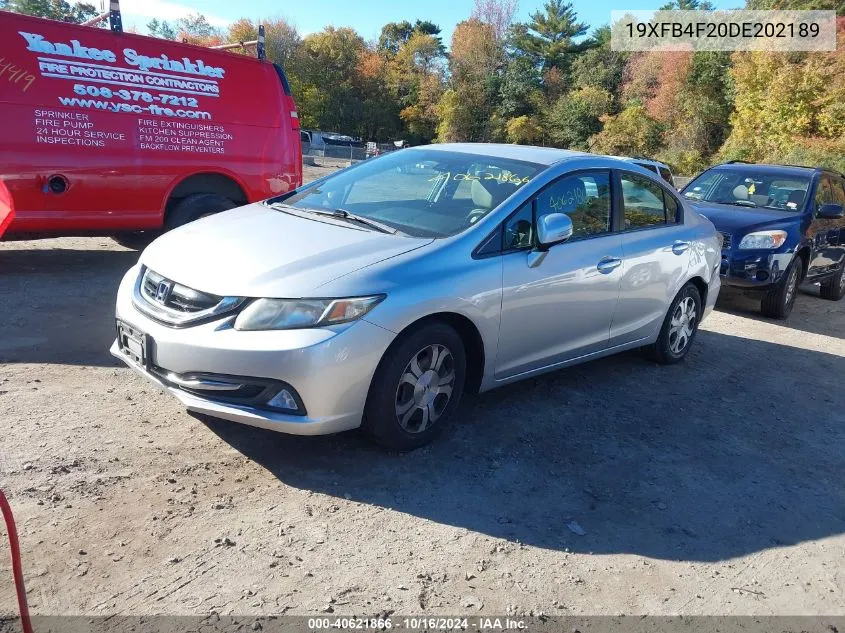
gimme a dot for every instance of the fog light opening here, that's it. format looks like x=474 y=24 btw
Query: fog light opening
x=283 y=400
x=762 y=275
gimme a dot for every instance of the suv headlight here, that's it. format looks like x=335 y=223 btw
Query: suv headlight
x=289 y=314
x=763 y=240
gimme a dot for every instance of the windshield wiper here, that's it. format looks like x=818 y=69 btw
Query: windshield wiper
x=740 y=203
x=343 y=214
x=357 y=219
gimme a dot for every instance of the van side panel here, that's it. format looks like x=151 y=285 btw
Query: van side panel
x=99 y=127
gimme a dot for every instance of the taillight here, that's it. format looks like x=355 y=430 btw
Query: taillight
x=294 y=117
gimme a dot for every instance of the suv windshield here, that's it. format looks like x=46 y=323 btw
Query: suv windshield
x=745 y=188
x=423 y=193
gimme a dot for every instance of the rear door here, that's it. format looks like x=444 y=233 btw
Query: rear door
x=656 y=255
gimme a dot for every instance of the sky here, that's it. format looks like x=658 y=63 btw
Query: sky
x=365 y=16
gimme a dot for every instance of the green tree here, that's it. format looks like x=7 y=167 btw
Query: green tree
x=162 y=29
x=601 y=67
x=328 y=98
x=467 y=108
x=632 y=132
x=394 y=35
x=61 y=10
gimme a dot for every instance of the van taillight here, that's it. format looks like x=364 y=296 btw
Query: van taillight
x=294 y=116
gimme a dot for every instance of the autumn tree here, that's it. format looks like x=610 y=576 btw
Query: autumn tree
x=630 y=133
x=467 y=107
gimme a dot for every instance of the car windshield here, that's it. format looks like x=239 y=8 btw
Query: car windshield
x=418 y=192
x=744 y=188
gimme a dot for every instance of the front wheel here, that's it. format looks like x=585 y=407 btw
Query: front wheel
x=679 y=327
x=416 y=388
x=778 y=302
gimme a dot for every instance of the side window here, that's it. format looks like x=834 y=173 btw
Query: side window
x=644 y=203
x=519 y=229
x=648 y=166
x=585 y=198
x=838 y=191
x=672 y=215
x=666 y=174
x=824 y=191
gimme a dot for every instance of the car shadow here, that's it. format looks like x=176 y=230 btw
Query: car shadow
x=811 y=313
x=58 y=304
x=704 y=461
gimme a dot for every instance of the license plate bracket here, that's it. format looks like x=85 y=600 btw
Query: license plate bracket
x=134 y=344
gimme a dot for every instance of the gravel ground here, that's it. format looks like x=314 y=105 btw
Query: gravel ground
x=616 y=487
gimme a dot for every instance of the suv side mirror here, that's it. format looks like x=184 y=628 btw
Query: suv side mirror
x=831 y=211
x=553 y=228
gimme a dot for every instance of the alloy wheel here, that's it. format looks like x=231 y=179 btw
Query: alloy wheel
x=791 y=286
x=682 y=325
x=425 y=388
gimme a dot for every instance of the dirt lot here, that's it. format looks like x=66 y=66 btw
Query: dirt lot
x=713 y=487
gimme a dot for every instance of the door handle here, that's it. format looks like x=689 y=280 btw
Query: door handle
x=679 y=247
x=607 y=265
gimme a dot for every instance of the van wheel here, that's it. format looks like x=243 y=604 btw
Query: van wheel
x=679 y=328
x=136 y=240
x=196 y=206
x=778 y=302
x=416 y=388
x=834 y=288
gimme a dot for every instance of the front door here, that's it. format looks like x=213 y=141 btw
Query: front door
x=559 y=305
x=827 y=234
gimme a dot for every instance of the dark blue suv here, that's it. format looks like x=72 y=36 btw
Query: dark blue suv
x=781 y=226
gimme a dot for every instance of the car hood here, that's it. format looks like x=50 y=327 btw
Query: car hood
x=730 y=218
x=255 y=251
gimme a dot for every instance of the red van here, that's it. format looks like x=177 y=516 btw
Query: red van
x=112 y=133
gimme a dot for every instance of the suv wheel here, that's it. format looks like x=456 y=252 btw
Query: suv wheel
x=778 y=302
x=834 y=288
x=679 y=327
x=416 y=388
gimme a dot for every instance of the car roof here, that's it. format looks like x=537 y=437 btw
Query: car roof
x=528 y=153
x=784 y=170
x=634 y=159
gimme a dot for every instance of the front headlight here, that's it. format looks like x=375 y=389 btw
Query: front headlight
x=289 y=314
x=762 y=240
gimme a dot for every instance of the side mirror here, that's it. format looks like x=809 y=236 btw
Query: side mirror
x=553 y=228
x=831 y=211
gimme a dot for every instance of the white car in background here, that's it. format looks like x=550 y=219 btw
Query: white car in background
x=655 y=166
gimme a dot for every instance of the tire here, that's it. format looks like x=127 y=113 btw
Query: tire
x=196 y=206
x=403 y=395
x=679 y=327
x=137 y=240
x=834 y=288
x=778 y=302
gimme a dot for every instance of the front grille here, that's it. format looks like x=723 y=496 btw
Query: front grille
x=178 y=305
x=727 y=240
x=169 y=294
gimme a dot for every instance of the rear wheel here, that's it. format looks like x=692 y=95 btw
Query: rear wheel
x=834 y=288
x=778 y=302
x=197 y=206
x=679 y=327
x=416 y=388
x=137 y=240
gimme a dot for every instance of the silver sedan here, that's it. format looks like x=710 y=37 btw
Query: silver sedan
x=376 y=296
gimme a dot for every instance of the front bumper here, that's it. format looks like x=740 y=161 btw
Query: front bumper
x=329 y=368
x=754 y=270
